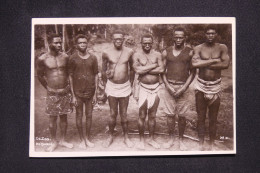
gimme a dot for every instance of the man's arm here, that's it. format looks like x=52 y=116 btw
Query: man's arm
x=139 y=69
x=225 y=60
x=160 y=68
x=104 y=67
x=197 y=62
x=165 y=81
x=41 y=72
x=132 y=72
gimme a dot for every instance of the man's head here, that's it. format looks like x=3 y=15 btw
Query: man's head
x=118 y=39
x=54 y=41
x=179 y=36
x=211 y=33
x=147 y=42
x=81 y=42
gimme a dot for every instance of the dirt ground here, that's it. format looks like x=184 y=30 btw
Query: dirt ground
x=101 y=116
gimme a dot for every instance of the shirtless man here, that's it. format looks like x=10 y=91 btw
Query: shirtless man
x=148 y=64
x=53 y=75
x=83 y=69
x=210 y=58
x=177 y=78
x=116 y=62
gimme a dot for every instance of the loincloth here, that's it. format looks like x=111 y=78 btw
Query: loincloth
x=118 y=90
x=149 y=93
x=211 y=89
x=59 y=102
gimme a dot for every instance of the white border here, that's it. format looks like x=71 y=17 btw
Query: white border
x=132 y=20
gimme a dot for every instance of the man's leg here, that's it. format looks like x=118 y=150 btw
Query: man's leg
x=63 y=128
x=123 y=104
x=213 y=114
x=171 y=128
x=113 y=104
x=88 y=112
x=53 y=129
x=141 y=124
x=79 y=114
x=181 y=126
x=152 y=123
x=201 y=107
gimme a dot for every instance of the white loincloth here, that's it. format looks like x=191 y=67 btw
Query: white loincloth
x=149 y=93
x=118 y=90
x=211 y=89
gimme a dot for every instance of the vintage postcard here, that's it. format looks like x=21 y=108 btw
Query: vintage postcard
x=125 y=86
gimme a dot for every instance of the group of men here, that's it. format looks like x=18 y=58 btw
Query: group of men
x=72 y=81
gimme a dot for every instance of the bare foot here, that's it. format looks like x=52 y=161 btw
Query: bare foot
x=82 y=145
x=108 y=142
x=66 y=144
x=182 y=146
x=53 y=146
x=128 y=143
x=90 y=144
x=153 y=143
x=140 y=145
x=169 y=144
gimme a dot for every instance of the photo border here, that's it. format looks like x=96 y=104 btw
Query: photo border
x=130 y=20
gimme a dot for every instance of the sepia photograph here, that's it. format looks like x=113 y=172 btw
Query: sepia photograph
x=133 y=86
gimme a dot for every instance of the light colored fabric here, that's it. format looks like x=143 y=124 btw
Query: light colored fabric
x=175 y=106
x=149 y=93
x=211 y=89
x=118 y=90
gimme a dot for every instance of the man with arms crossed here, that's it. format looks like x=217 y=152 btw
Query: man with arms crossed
x=148 y=64
x=210 y=58
x=116 y=62
x=177 y=78
x=83 y=70
x=53 y=75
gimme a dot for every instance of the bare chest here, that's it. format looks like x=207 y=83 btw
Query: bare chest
x=147 y=59
x=118 y=57
x=56 y=62
x=210 y=53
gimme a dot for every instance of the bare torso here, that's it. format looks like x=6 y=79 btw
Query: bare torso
x=147 y=59
x=119 y=61
x=206 y=52
x=55 y=70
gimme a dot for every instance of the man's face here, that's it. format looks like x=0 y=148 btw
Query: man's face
x=147 y=44
x=179 y=38
x=82 y=44
x=211 y=35
x=118 y=40
x=56 y=44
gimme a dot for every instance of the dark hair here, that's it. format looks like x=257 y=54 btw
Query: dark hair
x=118 y=32
x=51 y=36
x=146 y=36
x=179 y=29
x=211 y=26
x=80 y=36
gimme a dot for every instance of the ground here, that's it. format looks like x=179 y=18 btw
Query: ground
x=101 y=115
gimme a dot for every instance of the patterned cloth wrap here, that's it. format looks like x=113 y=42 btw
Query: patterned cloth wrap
x=211 y=89
x=149 y=93
x=59 y=102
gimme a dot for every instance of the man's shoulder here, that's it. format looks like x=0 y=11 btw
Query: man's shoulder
x=43 y=56
x=222 y=46
x=156 y=53
x=63 y=54
x=198 y=47
x=128 y=49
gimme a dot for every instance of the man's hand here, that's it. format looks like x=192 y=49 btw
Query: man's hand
x=74 y=101
x=94 y=101
x=170 y=90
